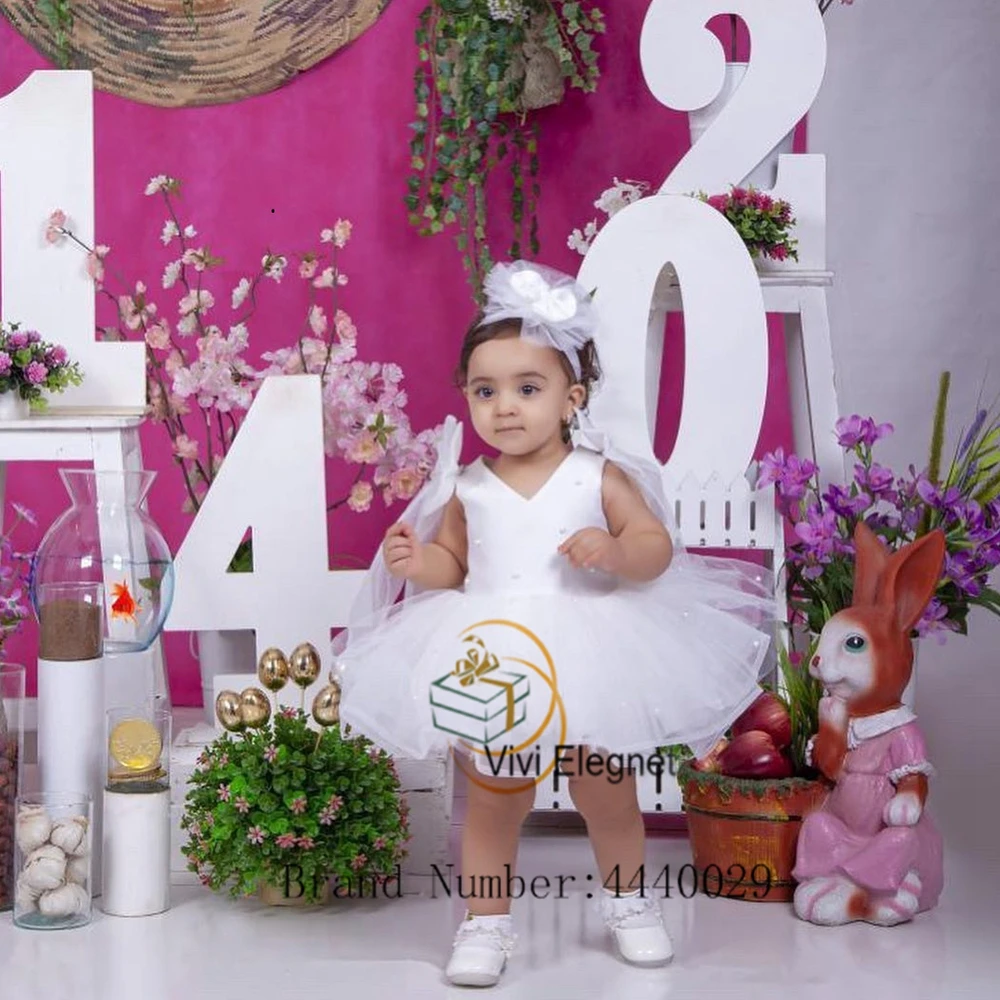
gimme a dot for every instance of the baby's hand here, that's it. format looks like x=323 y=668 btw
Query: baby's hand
x=593 y=548
x=403 y=551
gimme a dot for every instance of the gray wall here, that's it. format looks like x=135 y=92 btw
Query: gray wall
x=907 y=119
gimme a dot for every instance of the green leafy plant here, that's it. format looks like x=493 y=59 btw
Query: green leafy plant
x=800 y=693
x=59 y=17
x=763 y=222
x=483 y=66
x=285 y=798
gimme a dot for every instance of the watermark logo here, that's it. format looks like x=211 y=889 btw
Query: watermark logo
x=494 y=690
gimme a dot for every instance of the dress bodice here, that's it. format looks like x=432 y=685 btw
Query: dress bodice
x=514 y=540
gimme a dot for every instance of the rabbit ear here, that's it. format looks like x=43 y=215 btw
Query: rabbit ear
x=911 y=578
x=870 y=561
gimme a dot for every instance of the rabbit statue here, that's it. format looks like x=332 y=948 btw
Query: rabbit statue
x=871 y=852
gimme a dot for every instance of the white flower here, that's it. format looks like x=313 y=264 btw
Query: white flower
x=187 y=325
x=317 y=320
x=171 y=273
x=620 y=194
x=326 y=279
x=274 y=266
x=240 y=293
x=158 y=183
x=507 y=10
x=578 y=242
x=170 y=230
x=239 y=336
x=190 y=232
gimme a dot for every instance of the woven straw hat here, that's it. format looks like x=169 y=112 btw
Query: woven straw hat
x=186 y=52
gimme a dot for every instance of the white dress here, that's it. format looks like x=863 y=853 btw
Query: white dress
x=531 y=653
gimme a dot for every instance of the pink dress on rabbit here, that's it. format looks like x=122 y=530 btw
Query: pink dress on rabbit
x=848 y=835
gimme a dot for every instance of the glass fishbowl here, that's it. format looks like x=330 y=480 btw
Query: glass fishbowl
x=107 y=537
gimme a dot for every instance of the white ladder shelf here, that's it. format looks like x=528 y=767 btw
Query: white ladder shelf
x=710 y=516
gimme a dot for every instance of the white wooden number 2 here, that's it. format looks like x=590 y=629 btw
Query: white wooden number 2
x=683 y=64
x=726 y=350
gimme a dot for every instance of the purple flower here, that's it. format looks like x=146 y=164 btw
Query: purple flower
x=36 y=373
x=977 y=426
x=5 y=362
x=818 y=528
x=17 y=340
x=877 y=479
x=932 y=496
x=960 y=567
x=843 y=504
x=792 y=474
x=854 y=430
x=33 y=336
x=934 y=620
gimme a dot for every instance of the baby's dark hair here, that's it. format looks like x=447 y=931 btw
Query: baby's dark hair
x=479 y=333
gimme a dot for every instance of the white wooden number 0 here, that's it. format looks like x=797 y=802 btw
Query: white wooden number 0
x=725 y=375
x=47 y=162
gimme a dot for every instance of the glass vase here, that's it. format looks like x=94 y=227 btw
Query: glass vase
x=106 y=537
x=11 y=770
x=52 y=860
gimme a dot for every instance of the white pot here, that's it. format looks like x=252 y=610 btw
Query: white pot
x=13 y=407
x=765 y=173
x=232 y=651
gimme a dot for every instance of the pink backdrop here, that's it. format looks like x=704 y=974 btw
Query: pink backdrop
x=273 y=170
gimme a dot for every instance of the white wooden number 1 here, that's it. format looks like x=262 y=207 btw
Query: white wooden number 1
x=47 y=162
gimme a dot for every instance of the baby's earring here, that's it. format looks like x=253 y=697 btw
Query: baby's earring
x=573 y=421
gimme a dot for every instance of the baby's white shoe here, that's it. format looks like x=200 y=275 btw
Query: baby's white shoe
x=637 y=926
x=480 y=951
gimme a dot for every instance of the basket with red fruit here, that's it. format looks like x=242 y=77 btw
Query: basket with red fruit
x=745 y=801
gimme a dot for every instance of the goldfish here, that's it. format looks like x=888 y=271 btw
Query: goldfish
x=125 y=605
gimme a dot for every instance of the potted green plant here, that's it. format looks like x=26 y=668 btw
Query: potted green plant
x=745 y=801
x=283 y=810
x=484 y=66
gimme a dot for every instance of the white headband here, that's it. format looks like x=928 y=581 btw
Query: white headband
x=555 y=311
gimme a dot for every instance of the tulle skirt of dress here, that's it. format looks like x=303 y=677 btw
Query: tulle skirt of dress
x=622 y=670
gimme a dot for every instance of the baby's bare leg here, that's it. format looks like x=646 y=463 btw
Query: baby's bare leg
x=610 y=809
x=496 y=810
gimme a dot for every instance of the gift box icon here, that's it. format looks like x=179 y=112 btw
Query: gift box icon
x=477 y=700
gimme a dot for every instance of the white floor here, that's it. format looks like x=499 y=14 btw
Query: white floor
x=207 y=946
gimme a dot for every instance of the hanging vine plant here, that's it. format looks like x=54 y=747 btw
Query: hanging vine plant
x=59 y=16
x=484 y=66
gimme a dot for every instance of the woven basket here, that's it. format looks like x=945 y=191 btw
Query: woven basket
x=535 y=68
x=154 y=52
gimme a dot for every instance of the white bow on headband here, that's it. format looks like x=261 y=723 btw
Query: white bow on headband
x=555 y=311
